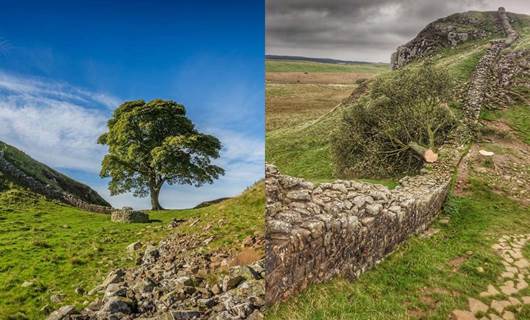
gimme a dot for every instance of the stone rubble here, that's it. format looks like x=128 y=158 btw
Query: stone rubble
x=175 y=280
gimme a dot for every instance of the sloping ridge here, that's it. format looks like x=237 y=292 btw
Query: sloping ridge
x=22 y=170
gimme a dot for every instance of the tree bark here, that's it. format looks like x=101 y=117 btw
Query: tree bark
x=425 y=153
x=155 y=192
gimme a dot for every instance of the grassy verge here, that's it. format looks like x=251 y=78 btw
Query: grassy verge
x=298 y=147
x=59 y=248
x=425 y=278
x=302 y=152
x=519 y=119
x=522 y=26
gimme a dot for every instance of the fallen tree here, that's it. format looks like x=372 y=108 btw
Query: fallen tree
x=398 y=126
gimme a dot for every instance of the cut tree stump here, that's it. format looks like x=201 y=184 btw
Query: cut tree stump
x=426 y=154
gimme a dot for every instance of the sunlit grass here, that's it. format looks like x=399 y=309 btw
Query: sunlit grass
x=59 y=248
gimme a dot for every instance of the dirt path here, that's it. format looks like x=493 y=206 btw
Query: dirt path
x=504 y=298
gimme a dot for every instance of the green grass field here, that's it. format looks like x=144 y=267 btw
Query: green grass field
x=308 y=66
x=420 y=280
x=519 y=119
x=59 y=248
x=523 y=27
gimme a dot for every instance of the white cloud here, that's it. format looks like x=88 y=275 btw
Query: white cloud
x=55 y=123
x=240 y=146
x=53 y=90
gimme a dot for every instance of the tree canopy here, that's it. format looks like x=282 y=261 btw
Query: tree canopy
x=152 y=143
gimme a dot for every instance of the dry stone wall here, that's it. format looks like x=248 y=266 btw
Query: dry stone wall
x=483 y=76
x=480 y=82
x=511 y=34
x=48 y=191
x=315 y=232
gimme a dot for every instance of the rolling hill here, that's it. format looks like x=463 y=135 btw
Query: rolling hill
x=446 y=271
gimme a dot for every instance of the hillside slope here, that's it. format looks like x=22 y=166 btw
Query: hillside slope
x=19 y=169
x=461 y=267
x=303 y=150
x=53 y=254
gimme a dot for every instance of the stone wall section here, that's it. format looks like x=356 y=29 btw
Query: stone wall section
x=483 y=76
x=315 y=232
x=480 y=81
x=48 y=191
x=511 y=34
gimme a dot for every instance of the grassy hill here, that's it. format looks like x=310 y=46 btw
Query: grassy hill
x=303 y=150
x=49 y=249
x=45 y=175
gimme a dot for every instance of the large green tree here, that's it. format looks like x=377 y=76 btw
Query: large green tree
x=153 y=143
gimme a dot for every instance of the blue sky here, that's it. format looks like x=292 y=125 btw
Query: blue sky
x=65 y=65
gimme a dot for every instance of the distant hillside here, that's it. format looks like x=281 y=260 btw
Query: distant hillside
x=321 y=60
x=19 y=169
x=453 y=31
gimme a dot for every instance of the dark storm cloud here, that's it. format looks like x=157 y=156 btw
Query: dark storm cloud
x=358 y=29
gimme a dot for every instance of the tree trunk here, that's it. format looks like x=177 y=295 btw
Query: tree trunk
x=155 y=192
x=425 y=153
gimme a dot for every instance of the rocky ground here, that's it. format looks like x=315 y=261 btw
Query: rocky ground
x=178 y=280
x=501 y=159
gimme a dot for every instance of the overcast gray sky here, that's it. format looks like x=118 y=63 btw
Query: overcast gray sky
x=363 y=30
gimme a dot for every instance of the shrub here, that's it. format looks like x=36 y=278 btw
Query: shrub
x=386 y=132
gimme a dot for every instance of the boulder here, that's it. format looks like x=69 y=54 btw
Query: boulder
x=230 y=282
x=181 y=315
x=113 y=277
x=151 y=254
x=129 y=216
x=115 y=289
x=486 y=153
x=117 y=304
